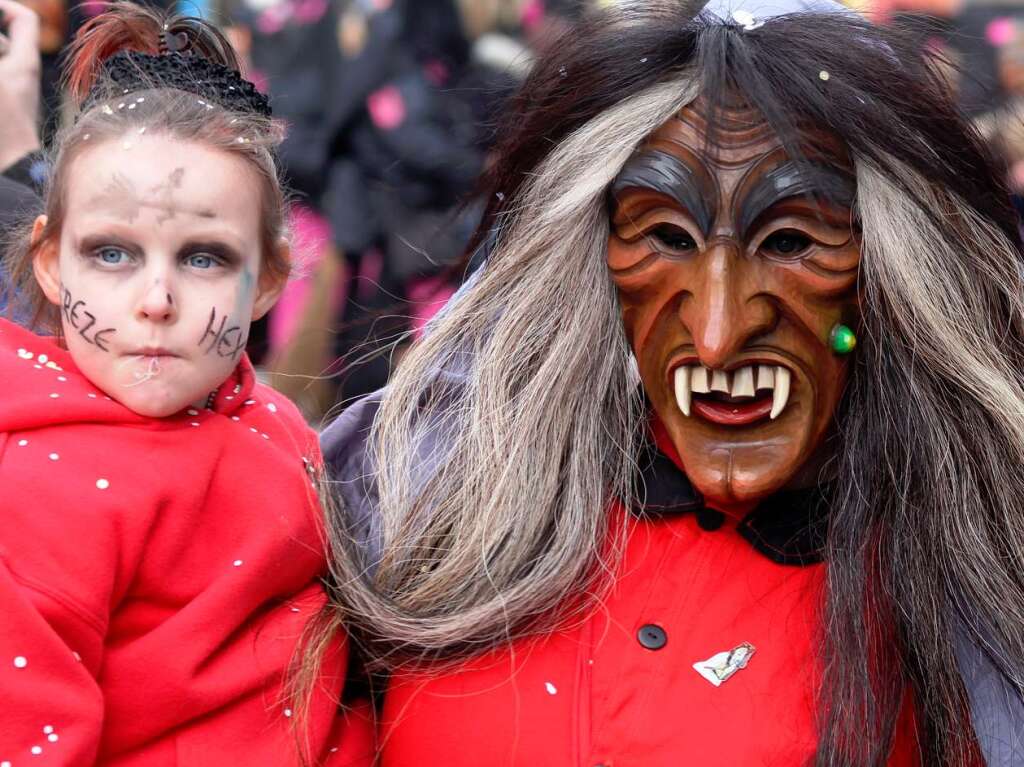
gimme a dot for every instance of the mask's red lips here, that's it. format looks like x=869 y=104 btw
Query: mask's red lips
x=727 y=413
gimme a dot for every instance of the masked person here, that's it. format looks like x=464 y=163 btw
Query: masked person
x=160 y=551
x=718 y=458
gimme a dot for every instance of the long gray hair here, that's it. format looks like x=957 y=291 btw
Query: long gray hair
x=509 y=430
x=505 y=433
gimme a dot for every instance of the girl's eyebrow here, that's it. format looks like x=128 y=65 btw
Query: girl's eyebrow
x=214 y=247
x=94 y=241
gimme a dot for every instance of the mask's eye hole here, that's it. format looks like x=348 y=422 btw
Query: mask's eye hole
x=785 y=244
x=673 y=238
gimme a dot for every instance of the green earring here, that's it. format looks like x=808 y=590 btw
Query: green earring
x=842 y=339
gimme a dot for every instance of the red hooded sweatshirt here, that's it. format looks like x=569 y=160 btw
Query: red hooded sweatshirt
x=156 y=575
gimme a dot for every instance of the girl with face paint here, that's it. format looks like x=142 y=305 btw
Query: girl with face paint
x=160 y=552
x=719 y=458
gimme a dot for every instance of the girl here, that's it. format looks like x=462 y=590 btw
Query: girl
x=159 y=552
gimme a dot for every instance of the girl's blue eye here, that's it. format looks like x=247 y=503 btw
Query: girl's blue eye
x=112 y=256
x=201 y=261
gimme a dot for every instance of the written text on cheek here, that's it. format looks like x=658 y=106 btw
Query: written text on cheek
x=222 y=340
x=84 y=321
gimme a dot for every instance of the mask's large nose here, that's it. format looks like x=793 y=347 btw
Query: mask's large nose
x=725 y=308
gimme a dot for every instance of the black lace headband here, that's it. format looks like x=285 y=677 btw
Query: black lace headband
x=134 y=71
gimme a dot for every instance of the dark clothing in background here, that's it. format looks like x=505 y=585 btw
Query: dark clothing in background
x=383 y=142
x=17 y=203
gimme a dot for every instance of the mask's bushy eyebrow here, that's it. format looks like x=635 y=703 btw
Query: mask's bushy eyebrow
x=666 y=174
x=795 y=179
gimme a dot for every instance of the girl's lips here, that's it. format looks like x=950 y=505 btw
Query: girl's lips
x=733 y=414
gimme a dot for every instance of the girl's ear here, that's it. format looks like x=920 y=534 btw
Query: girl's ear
x=269 y=289
x=46 y=262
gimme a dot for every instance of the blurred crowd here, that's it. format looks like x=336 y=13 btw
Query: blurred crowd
x=391 y=107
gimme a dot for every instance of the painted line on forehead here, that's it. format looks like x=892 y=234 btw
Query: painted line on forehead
x=121 y=198
x=793 y=179
x=666 y=174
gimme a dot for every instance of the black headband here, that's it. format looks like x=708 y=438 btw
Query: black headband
x=134 y=71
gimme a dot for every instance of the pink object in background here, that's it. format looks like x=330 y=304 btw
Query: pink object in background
x=386 y=107
x=94 y=7
x=311 y=234
x=1001 y=31
x=426 y=297
x=532 y=13
x=310 y=11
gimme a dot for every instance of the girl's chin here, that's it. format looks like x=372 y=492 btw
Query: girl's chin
x=153 y=400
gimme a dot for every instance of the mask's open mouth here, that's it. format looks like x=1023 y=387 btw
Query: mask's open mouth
x=738 y=397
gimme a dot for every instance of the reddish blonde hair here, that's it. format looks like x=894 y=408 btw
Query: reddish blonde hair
x=167 y=110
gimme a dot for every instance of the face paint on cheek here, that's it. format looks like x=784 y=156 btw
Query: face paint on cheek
x=77 y=315
x=222 y=337
x=225 y=334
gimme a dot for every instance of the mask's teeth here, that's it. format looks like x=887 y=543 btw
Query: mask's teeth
x=743 y=382
x=699 y=380
x=683 y=389
x=720 y=381
x=765 y=377
x=781 y=396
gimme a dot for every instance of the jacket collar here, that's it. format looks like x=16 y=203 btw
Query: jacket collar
x=789 y=527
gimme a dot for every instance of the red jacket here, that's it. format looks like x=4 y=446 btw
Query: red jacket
x=155 y=575
x=621 y=689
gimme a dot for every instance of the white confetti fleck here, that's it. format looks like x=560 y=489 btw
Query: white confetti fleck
x=48 y=729
x=552 y=690
x=237 y=563
x=20 y=661
x=295 y=609
x=235 y=418
x=824 y=75
x=38 y=367
x=54 y=456
x=25 y=354
x=250 y=402
x=76 y=656
x=37 y=750
x=91 y=395
x=5 y=764
x=193 y=411
x=62 y=379
x=272 y=407
x=22 y=442
x=643 y=60
x=287 y=712
x=264 y=436
x=333 y=751
x=54 y=396
x=102 y=484
x=254 y=430
x=195 y=423
x=230 y=396
x=52 y=737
